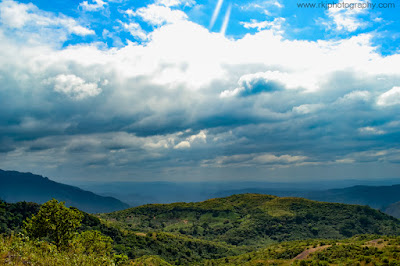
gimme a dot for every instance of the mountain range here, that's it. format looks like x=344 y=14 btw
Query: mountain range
x=16 y=186
x=111 y=196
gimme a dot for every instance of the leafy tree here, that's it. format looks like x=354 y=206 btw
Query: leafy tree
x=93 y=241
x=54 y=221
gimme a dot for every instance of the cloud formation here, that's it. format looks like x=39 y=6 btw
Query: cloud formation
x=75 y=87
x=187 y=102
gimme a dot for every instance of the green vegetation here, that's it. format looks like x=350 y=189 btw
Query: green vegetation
x=248 y=229
x=256 y=220
x=359 y=250
x=20 y=250
x=147 y=260
x=51 y=238
x=12 y=215
x=95 y=234
x=54 y=221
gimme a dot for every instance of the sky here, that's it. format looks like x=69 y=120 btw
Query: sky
x=186 y=90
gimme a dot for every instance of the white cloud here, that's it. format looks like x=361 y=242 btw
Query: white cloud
x=378 y=155
x=182 y=145
x=389 y=98
x=173 y=80
x=75 y=87
x=81 y=31
x=346 y=19
x=200 y=137
x=262 y=4
x=371 y=131
x=283 y=159
x=97 y=5
x=275 y=25
x=135 y=30
x=345 y=161
x=307 y=108
x=171 y=3
x=158 y=15
x=357 y=95
x=17 y=15
x=256 y=159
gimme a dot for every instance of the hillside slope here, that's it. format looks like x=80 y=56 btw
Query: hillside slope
x=16 y=186
x=256 y=220
x=393 y=209
x=176 y=249
x=359 y=250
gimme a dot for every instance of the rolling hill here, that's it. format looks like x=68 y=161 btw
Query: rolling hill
x=377 y=197
x=256 y=220
x=16 y=186
x=359 y=250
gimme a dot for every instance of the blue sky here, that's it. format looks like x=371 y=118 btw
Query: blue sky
x=187 y=90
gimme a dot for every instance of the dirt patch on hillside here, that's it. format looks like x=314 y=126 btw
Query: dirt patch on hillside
x=303 y=255
x=378 y=243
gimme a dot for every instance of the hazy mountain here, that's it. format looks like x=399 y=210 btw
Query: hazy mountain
x=17 y=186
x=393 y=209
x=378 y=197
x=140 y=193
x=374 y=196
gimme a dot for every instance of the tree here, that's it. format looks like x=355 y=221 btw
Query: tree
x=93 y=242
x=54 y=221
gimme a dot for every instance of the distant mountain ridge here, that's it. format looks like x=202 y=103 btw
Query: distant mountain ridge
x=393 y=209
x=377 y=197
x=16 y=186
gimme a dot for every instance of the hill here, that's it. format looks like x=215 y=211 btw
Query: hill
x=16 y=186
x=175 y=248
x=393 y=209
x=378 y=197
x=237 y=230
x=359 y=250
x=256 y=220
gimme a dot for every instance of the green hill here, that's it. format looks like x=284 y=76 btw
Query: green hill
x=359 y=250
x=173 y=248
x=249 y=228
x=16 y=186
x=256 y=220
